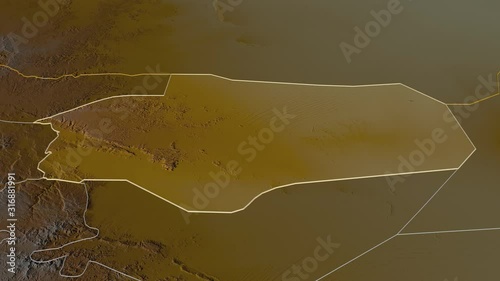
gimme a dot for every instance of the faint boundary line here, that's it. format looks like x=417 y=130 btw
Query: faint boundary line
x=242 y=81
x=48 y=153
x=235 y=80
x=481 y=100
x=75 y=76
x=255 y=198
x=473 y=103
x=387 y=240
x=352 y=260
x=430 y=199
x=78 y=241
x=104 y=99
x=450 y=231
x=416 y=214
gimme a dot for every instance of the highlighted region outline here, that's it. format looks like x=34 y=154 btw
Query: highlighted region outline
x=75 y=76
x=48 y=152
x=400 y=233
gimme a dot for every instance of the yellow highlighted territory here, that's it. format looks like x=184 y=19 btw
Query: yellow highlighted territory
x=214 y=145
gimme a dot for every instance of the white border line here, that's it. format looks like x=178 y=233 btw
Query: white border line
x=392 y=237
x=134 y=278
x=18 y=122
x=171 y=75
x=82 y=75
x=450 y=231
x=256 y=197
x=48 y=152
x=327 y=274
x=470 y=155
x=78 y=241
x=299 y=183
x=418 y=212
x=104 y=99
x=5 y=239
x=357 y=257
